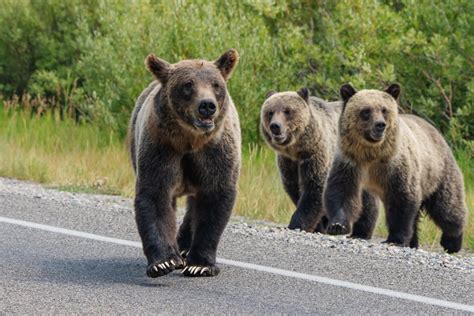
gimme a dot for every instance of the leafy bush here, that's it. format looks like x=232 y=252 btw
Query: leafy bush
x=87 y=56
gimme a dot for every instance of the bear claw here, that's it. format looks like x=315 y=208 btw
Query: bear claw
x=158 y=269
x=199 y=271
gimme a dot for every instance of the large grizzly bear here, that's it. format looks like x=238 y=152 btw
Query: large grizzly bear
x=303 y=131
x=184 y=139
x=400 y=158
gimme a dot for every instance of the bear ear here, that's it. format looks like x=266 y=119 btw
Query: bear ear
x=158 y=67
x=270 y=93
x=304 y=93
x=347 y=91
x=394 y=90
x=227 y=62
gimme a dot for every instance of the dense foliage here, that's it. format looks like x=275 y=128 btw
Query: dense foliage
x=84 y=58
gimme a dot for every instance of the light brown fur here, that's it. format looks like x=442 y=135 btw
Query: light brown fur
x=409 y=167
x=358 y=148
x=312 y=127
x=305 y=143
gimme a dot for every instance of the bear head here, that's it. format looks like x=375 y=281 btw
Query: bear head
x=368 y=125
x=195 y=90
x=284 y=116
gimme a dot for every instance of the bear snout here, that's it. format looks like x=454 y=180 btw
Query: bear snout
x=377 y=132
x=380 y=126
x=207 y=108
x=275 y=128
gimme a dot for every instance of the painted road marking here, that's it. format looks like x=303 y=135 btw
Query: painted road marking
x=256 y=267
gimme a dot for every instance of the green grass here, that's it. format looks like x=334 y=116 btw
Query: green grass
x=84 y=158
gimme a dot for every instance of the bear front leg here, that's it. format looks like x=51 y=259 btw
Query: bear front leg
x=309 y=209
x=156 y=224
x=289 y=177
x=401 y=218
x=213 y=210
x=402 y=203
x=342 y=196
x=365 y=224
x=155 y=205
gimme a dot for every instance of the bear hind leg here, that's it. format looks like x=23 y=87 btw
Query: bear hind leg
x=447 y=209
x=185 y=232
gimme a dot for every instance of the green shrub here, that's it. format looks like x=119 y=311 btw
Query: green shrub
x=86 y=57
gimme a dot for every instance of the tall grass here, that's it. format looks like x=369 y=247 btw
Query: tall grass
x=82 y=157
x=62 y=153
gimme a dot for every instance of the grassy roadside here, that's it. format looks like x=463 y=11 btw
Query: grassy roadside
x=85 y=158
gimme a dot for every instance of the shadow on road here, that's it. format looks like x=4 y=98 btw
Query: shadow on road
x=98 y=271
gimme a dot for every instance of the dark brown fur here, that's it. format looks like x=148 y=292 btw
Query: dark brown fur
x=176 y=150
x=305 y=142
x=407 y=163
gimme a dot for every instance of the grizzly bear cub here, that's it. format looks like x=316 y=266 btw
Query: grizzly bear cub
x=303 y=131
x=400 y=158
x=184 y=139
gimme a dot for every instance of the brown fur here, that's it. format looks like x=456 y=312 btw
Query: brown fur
x=305 y=146
x=177 y=150
x=409 y=167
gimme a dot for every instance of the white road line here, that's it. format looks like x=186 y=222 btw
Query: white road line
x=256 y=267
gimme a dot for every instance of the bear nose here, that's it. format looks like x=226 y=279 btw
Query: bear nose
x=275 y=128
x=380 y=126
x=207 y=108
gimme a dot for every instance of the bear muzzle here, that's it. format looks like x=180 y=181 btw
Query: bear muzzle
x=376 y=134
x=207 y=110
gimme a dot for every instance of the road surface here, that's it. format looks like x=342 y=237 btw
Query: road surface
x=63 y=252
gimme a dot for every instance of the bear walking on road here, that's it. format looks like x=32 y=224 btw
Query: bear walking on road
x=303 y=131
x=184 y=139
x=400 y=158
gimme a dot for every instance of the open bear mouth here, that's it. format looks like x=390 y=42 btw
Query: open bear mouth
x=375 y=137
x=205 y=124
x=279 y=139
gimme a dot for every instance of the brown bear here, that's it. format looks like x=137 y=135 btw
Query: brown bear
x=184 y=139
x=400 y=158
x=303 y=131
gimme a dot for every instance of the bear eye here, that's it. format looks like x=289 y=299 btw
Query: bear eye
x=215 y=85
x=384 y=111
x=188 y=84
x=270 y=113
x=287 y=112
x=365 y=114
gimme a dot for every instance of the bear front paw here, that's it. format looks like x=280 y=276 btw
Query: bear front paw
x=338 y=229
x=396 y=241
x=298 y=222
x=201 y=270
x=163 y=267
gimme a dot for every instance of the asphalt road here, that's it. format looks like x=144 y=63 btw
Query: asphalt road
x=50 y=272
